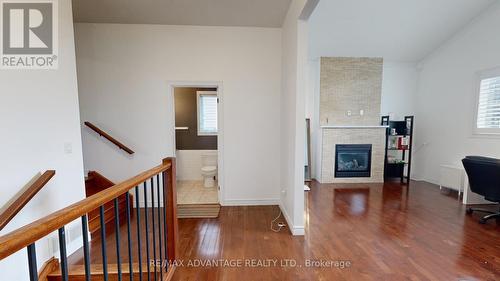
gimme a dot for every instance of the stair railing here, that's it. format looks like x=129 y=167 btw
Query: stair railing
x=13 y=208
x=159 y=183
x=108 y=137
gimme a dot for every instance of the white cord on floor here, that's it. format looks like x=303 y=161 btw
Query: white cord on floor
x=272 y=223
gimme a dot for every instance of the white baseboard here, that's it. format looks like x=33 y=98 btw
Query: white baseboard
x=71 y=247
x=230 y=202
x=431 y=181
x=142 y=205
x=296 y=230
x=252 y=202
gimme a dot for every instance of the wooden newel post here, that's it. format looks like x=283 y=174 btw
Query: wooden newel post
x=170 y=197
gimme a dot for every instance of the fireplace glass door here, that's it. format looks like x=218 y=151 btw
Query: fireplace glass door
x=353 y=160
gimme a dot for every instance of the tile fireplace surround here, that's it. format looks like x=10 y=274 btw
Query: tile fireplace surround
x=333 y=135
x=350 y=96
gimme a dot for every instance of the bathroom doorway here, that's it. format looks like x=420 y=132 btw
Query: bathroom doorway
x=197 y=143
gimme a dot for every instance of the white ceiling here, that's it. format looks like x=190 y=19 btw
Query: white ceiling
x=402 y=30
x=260 y=13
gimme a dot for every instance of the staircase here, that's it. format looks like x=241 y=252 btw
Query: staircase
x=95 y=183
x=126 y=236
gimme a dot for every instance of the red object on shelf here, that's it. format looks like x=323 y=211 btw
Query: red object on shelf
x=402 y=143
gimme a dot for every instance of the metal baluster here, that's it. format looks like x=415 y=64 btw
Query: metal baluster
x=103 y=244
x=127 y=209
x=153 y=225
x=32 y=262
x=165 y=220
x=117 y=238
x=138 y=231
x=86 y=250
x=159 y=224
x=147 y=230
x=62 y=251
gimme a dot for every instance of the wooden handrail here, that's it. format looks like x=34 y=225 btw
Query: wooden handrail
x=15 y=206
x=108 y=137
x=26 y=235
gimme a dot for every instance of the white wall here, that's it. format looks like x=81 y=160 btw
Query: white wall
x=446 y=97
x=189 y=163
x=39 y=113
x=123 y=72
x=293 y=99
x=399 y=88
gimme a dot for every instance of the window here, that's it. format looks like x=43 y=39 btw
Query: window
x=207 y=113
x=488 y=105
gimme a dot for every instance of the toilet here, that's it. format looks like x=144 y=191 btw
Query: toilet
x=209 y=169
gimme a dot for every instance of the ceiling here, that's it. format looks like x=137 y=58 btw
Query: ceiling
x=258 y=13
x=401 y=30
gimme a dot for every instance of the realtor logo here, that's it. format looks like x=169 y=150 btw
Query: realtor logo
x=29 y=34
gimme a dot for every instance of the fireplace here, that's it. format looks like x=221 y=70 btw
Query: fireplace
x=353 y=160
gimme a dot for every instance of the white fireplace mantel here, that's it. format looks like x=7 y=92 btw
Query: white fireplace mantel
x=352 y=127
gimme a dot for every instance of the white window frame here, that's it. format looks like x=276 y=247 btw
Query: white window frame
x=485 y=74
x=198 y=114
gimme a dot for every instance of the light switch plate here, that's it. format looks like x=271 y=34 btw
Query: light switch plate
x=68 y=148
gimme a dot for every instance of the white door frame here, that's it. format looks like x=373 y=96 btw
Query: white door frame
x=220 y=123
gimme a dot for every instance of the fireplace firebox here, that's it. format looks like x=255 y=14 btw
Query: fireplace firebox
x=353 y=160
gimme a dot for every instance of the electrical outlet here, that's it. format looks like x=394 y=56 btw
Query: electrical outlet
x=349 y=113
x=361 y=112
x=283 y=192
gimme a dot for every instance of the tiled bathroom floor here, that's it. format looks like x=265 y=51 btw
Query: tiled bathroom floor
x=193 y=192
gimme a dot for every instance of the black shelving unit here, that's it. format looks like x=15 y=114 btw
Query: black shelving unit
x=398 y=148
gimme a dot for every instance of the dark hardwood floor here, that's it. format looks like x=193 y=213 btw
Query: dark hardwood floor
x=378 y=231
x=385 y=232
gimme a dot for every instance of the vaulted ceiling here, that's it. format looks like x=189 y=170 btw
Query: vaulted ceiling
x=403 y=30
x=259 y=13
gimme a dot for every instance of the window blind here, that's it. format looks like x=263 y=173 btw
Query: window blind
x=488 y=114
x=207 y=114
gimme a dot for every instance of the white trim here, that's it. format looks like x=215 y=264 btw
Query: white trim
x=483 y=132
x=295 y=230
x=198 y=94
x=220 y=123
x=417 y=179
x=71 y=247
x=142 y=205
x=250 y=202
x=308 y=9
x=73 y=243
x=353 y=127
